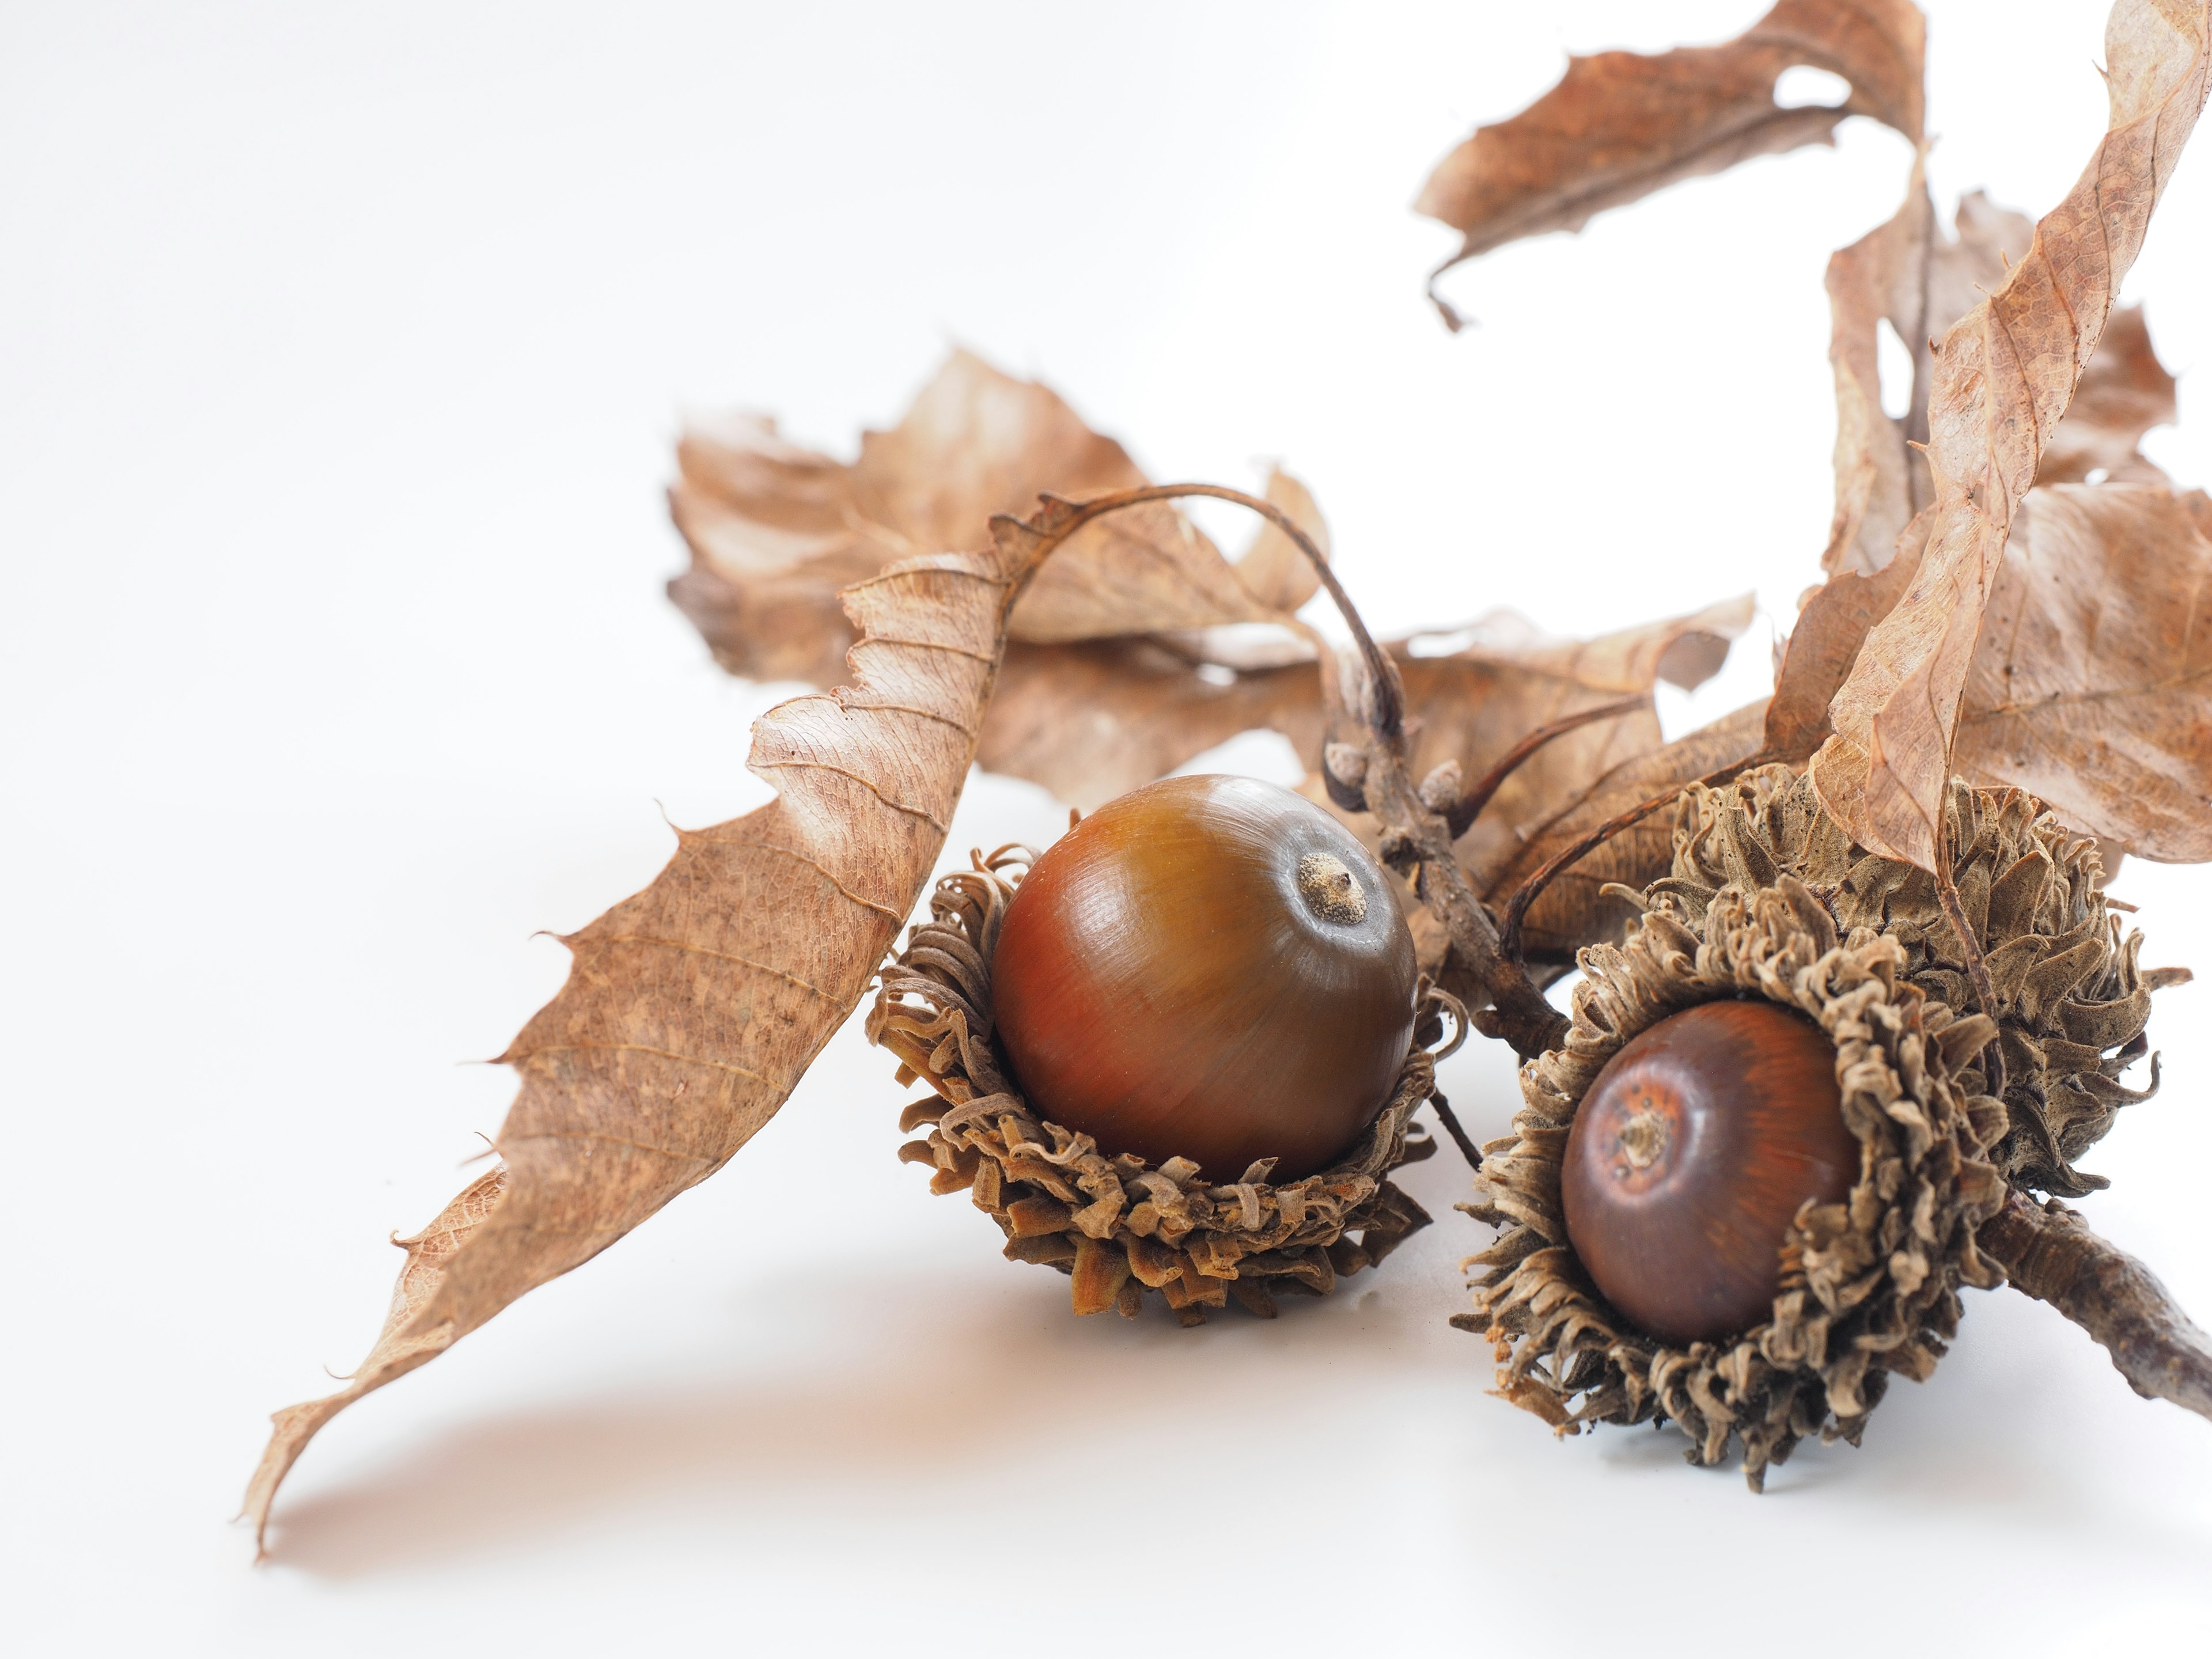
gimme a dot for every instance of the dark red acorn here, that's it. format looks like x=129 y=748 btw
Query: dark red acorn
x=1689 y=1157
x=1211 y=968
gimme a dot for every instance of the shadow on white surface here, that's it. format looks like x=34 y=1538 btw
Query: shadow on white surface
x=935 y=1383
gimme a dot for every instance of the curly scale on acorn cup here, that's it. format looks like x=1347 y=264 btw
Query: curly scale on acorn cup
x=1748 y=1188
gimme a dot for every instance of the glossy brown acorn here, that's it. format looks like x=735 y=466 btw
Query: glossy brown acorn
x=1689 y=1158
x=1211 y=968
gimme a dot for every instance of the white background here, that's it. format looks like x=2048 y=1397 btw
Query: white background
x=340 y=353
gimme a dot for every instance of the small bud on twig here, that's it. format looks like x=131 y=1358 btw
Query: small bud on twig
x=1440 y=791
x=1343 y=772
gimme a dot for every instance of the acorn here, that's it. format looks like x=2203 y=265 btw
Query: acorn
x=1179 y=1051
x=1258 y=972
x=1685 y=1237
x=1691 y=1156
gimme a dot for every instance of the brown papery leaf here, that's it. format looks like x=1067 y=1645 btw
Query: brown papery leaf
x=2092 y=685
x=1621 y=125
x=2003 y=380
x=777 y=530
x=692 y=1008
x=1882 y=481
x=1472 y=707
x=1922 y=284
x=1093 y=720
x=2125 y=392
x=1822 y=648
x=1573 y=912
x=1273 y=570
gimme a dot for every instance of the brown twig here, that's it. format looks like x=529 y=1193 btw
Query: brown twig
x=1446 y=1116
x=2048 y=1252
x=1414 y=837
x=1516 y=909
x=1460 y=818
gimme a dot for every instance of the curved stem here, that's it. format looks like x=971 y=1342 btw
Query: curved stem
x=1414 y=837
x=1516 y=910
x=1389 y=695
x=1461 y=818
x=1445 y=1116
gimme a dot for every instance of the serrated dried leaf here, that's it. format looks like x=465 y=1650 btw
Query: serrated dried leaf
x=777 y=530
x=2003 y=380
x=692 y=1008
x=2092 y=685
x=400 y=1347
x=1621 y=125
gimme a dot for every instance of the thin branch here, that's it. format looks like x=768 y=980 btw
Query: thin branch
x=1461 y=816
x=1516 y=910
x=1446 y=1116
x=1390 y=696
x=2048 y=1252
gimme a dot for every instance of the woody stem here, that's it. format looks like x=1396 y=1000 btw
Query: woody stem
x=2048 y=1252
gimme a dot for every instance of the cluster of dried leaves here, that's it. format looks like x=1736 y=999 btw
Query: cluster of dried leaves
x=2012 y=593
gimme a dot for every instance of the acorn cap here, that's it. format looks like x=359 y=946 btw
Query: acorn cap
x=1767 y=897
x=1117 y=1225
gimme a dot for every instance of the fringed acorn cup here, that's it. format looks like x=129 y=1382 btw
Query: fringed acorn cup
x=1629 y=1132
x=1118 y=1224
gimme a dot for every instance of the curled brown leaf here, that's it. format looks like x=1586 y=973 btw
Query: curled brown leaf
x=2125 y=392
x=692 y=1008
x=2092 y=685
x=1621 y=125
x=1825 y=643
x=2003 y=378
x=776 y=531
x=1903 y=273
x=1882 y=481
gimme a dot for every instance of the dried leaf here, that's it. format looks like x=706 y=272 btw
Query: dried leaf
x=1825 y=643
x=1091 y=721
x=777 y=530
x=1921 y=284
x=2092 y=685
x=1683 y=651
x=1472 y=707
x=1273 y=570
x=2003 y=380
x=1882 y=481
x=1620 y=124
x=400 y=1347
x=2125 y=392
x=1573 y=911
x=692 y=1008
x=1905 y=273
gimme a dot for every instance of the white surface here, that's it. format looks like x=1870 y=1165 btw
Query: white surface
x=342 y=354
